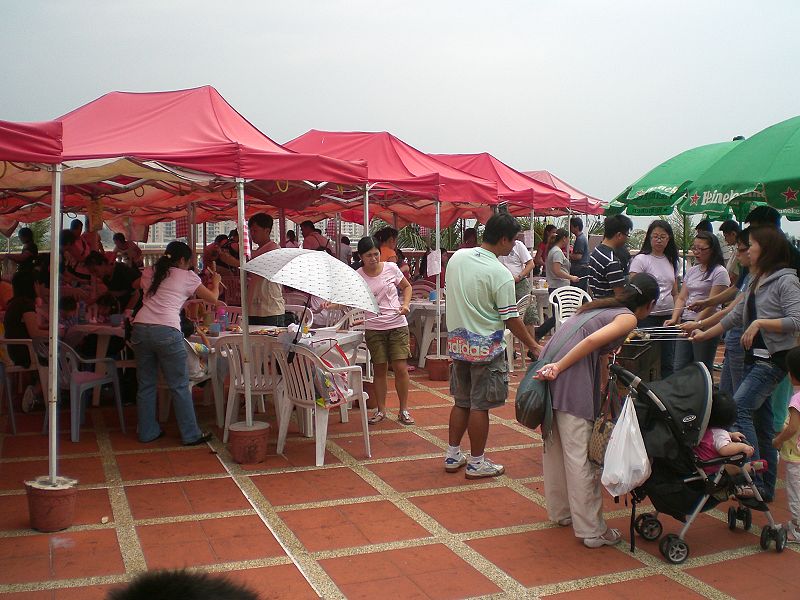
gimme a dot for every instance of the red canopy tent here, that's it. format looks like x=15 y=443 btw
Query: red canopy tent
x=512 y=186
x=402 y=180
x=580 y=202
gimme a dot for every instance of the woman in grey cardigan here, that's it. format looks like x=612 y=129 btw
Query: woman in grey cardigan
x=769 y=314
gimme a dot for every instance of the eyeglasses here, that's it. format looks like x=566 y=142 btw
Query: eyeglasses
x=699 y=249
x=659 y=238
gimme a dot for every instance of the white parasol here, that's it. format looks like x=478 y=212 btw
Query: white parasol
x=316 y=273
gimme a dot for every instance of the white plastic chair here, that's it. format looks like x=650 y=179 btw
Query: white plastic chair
x=304 y=314
x=8 y=370
x=296 y=389
x=234 y=315
x=262 y=371
x=511 y=340
x=72 y=378
x=565 y=302
x=195 y=307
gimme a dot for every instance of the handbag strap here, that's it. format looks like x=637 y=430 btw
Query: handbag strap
x=579 y=322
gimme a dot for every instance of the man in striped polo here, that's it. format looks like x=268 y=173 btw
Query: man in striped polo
x=606 y=276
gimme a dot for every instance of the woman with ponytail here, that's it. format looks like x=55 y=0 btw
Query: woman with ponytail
x=158 y=341
x=577 y=376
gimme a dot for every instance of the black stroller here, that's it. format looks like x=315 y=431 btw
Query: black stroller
x=673 y=416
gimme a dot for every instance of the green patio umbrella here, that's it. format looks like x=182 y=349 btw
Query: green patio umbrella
x=657 y=192
x=764 y=168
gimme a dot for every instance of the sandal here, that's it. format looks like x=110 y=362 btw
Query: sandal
x=405 y=418
x=377 y=417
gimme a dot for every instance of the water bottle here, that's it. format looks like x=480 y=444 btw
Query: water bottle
x=432 y=296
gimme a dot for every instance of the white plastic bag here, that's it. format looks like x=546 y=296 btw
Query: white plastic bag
x=626 y=462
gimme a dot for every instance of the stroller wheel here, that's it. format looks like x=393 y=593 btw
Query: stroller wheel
x=676 y=551
x=731 y=518
x=651 y=528
x=780 y=539
x=746 y=515
x=765 y=537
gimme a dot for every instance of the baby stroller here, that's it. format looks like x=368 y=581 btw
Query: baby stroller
x=673 y=416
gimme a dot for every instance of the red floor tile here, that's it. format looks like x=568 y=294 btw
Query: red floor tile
x=85 y=554
x=656 y=586
x=86 y=470
x=281 y=582
x=432 y=416
x=423 y=572
x=556 y=554
x=351 y=525
x=475 y=510
x=421 y=474
x=312 y=486
x=763 y=575
x=499 y=435
x=168 y=463
x=187 y=497
x=38 y=445
x=402 y=443
x=177 y=545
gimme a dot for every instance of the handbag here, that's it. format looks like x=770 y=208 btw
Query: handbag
x=532 y=404
x=602 y=429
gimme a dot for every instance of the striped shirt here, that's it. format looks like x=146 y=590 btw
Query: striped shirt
x=605 y=272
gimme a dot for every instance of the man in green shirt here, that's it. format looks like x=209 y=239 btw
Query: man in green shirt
x=481 y=304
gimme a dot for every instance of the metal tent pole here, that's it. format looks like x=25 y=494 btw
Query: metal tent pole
x=282 y=225
x=366 y=209
x=52 y=372
x=439 y=281
x=248 y=403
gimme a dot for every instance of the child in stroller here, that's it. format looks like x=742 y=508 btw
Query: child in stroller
x=674 y=417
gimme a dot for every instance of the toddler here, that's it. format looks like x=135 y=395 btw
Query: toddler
x=717 y=441
x=787 y=442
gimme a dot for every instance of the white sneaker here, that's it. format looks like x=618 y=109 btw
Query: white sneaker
x=610 y=538
x=28 y=399
x=451 y=465
x=486 y=468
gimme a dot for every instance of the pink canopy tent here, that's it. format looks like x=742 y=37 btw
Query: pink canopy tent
x=512 y=186
x=402 y=181
x=580 y=202
x=25 y=147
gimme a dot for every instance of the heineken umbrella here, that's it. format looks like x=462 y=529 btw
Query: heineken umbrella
x=764 y=168
x=657 y=192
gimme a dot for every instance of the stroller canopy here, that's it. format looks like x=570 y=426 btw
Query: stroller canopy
x=686 y=396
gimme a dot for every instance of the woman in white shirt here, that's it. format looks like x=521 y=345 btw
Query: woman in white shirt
x=556 y=267
x=659 y=258
x=158 y=342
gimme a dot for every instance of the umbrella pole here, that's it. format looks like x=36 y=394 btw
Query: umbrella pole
x=439 y=281
x=248 y=401
x=52 y=371
x=366 y=209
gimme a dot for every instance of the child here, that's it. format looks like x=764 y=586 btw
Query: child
x=717 y=441
x=787 y=442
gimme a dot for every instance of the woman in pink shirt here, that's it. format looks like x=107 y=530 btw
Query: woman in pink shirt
x=387 y=332
x=158 y=341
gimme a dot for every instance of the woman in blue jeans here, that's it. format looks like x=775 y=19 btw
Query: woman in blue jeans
x=158 y=342
x=769 y=313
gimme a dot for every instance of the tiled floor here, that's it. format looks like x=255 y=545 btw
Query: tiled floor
x=395 y=524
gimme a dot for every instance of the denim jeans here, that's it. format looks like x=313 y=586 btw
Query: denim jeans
x=754 y=418
x=667 y=347
x=159 y=346
x=733 y=366
x=687 y=352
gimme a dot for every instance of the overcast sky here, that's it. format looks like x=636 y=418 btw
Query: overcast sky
x=596 y=92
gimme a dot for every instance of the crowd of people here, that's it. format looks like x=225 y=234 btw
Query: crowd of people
x=748 y=292
x=744 y=291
